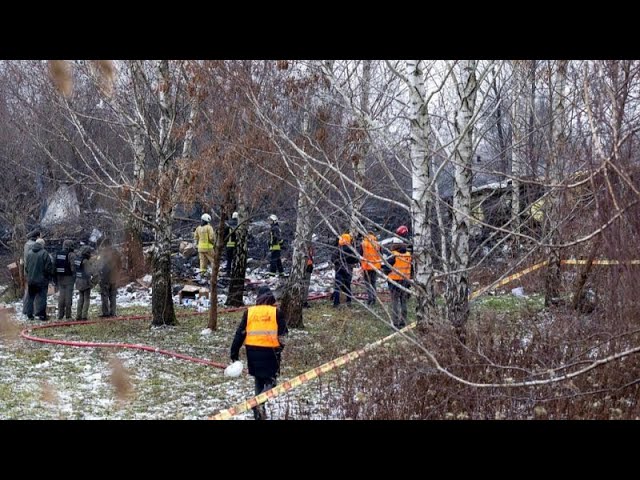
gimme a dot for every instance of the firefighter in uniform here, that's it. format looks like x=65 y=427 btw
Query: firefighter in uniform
x=204 y=238
x=230 y=236
x=261 y=330
x=275 y=246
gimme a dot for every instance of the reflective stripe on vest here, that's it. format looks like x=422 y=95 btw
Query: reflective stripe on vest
x=273 y=245
x=401 y=267
x=262 y=326
x=63 y=267
x=371 y=254
x=204 y=242
x=80 y=268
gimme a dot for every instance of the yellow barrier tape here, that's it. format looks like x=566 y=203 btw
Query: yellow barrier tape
x=303 y=378
x=601 y=262
x=344 y=359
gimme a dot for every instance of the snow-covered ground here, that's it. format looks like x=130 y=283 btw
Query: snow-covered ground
x=46 y=381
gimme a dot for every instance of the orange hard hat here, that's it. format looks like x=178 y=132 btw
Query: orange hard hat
x=344 y=239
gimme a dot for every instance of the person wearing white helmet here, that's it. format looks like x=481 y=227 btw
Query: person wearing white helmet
x=204 y=238
x=275 y=246
x=231 y=240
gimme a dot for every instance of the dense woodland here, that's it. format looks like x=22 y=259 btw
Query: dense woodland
x=493 y=166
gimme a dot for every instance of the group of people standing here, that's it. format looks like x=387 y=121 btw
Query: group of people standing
x=68 y=268
x=397 y=265
x=205 y=239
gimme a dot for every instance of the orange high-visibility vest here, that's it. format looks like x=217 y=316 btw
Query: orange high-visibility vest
x=262 y=326
x=370 y=253
x=401 y=267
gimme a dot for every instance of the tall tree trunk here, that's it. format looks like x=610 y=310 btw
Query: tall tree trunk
x=217 y=256
x=457 y=293
x=502 y=139
x=519 y=144
x=555 y=170
x=421 y=196
x=292 y=301
x=161 y=297
x=359 y=157
x=133 y=229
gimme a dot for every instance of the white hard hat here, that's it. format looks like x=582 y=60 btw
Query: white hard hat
x=314 y=237
x=235 y=215
x=205 y=217
x=273 y=218
x=233 y=370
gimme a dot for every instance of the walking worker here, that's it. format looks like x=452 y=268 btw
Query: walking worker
x=110 y=266
x=371 y=261
x=84 y=281
x=65 y=278
x=275 y=246
x=399 y=274
x=262 y=331
x=39 y=272
x=205 y=240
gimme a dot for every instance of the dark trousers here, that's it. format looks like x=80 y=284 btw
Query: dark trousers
x=65 y=295
x=370 y=277
x=342 y=284
x=108 y=293
x=398 y=304
x=230 y=252
x=84 y=298
x=36 y=294
x=276 y=263
x=262 y=385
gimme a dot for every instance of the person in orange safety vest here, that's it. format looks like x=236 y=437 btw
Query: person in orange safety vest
x=400 y=272
x=370 y=262
x=262 y=331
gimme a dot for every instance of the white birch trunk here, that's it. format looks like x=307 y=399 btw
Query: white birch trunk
x=294 y=295
x=457 y=293
x=420 y=195
x=519 y=144
x=554 y=172
x=134 y=254
x=362 y=148
x=161 y=299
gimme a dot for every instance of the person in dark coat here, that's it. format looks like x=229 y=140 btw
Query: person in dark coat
x=84 y=281
x=262 y=331
x=275 y=246
x=39 y=271
x=110 y=264
x=230 y=238
x=31 y=241
x=343 y=260
x=65 y=278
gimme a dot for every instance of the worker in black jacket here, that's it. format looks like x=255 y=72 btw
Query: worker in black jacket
x=261 y=330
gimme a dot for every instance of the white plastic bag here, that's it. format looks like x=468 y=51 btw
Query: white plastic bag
x=233 y=370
